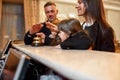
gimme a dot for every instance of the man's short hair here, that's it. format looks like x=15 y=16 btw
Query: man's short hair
x=49 y=4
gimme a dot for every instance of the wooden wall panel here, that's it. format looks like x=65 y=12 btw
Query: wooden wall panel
x=0 y=16
x=31 y=12
x=0 y=11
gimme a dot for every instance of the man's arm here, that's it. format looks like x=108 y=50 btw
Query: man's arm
x=28 y=38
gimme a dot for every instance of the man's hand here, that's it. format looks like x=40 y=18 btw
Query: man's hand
x=35 y=28
x=52 y=27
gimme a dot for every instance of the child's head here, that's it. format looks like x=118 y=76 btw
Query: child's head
x=69 y=27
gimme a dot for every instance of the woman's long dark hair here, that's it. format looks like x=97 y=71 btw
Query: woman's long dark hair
x=95 y=10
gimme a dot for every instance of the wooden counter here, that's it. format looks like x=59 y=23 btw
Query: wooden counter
x=76 y=64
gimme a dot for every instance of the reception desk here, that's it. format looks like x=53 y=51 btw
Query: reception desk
x=76 y=64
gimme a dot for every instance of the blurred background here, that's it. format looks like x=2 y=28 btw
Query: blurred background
x=17 y=16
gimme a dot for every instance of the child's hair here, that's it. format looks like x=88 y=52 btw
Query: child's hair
x=70 y=26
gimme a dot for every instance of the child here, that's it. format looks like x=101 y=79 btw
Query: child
x=71 y=35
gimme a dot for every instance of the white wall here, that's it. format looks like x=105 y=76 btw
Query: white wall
x=113 y=15
x=114 y=21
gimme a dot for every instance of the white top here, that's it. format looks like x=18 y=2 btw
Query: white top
x=76 y=64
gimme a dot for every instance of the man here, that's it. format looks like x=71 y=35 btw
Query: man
x=51 y=14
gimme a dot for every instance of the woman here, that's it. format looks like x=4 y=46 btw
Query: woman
x=96 y=25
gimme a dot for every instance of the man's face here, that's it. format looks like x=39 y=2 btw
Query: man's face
x=51 y=12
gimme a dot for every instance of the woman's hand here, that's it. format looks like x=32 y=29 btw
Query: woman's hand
x=52 y=27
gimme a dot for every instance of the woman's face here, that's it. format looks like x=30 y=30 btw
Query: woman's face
x=80 y=8
x=63 y=36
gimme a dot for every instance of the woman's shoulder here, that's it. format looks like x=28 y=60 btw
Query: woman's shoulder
x=109 y=31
